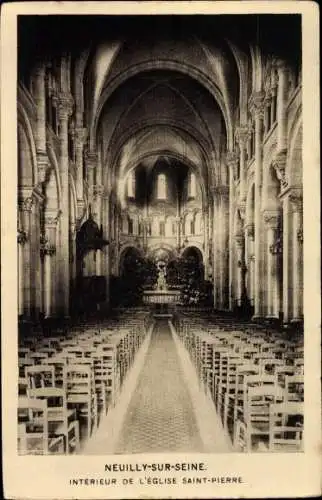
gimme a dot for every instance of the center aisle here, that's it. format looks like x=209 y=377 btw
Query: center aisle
x=160 y=416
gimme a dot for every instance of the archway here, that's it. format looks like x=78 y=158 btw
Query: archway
x=194 y=289
x=136 y=272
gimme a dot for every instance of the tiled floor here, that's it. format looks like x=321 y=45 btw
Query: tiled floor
x=160 y=416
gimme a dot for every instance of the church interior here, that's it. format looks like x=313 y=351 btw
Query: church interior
x=160 y=234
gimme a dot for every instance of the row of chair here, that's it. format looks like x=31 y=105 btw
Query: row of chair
x=254 y=376
x=67 y=382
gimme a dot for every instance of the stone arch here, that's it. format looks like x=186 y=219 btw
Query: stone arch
x=163 y=64
x=196 y=248
x=125 y=249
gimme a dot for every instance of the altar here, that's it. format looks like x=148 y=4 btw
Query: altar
x=161 y=296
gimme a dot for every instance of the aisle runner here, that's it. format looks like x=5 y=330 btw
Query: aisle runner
x=160 y=417
x=103 y=440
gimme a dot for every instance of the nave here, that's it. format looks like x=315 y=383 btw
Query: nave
x=137 y=384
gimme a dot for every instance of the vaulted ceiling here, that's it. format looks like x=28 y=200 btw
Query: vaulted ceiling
x=174 y=85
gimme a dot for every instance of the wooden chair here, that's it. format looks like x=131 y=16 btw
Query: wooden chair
x=253 y=427
x=40 y=376
x=62 y=421
x=81 y=394
x=33 y=434
x=286 y=427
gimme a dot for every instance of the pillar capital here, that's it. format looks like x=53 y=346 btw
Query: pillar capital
x=250 y=229
x=26 y=204
x=295 y=196
x=64 y=105
x=42 y=165
x=51 y=219
x=271 y=218
x=242 y=135
x=91 y=159
x=239 y=239
x=279 y=164
x=268 y=97
x=276 y=248
x=232 y=161
x=98 y=190
x=221 y=192
x=80 y=136
x=22 y=237
x=46 y=247
x=242 y=208
x=256 y=104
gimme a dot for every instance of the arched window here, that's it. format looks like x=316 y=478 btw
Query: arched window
x=131 y=185
x=192 y=190
x=161 y=187
x=130 y=226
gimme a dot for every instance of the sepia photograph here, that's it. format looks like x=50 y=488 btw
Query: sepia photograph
x=160 y=288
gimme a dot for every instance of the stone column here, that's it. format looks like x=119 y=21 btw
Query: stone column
x=73 y=257
x=282 y=95
x=232 y=162
x=242 y=137
x=267 y=113
x=98 y=192
x=65 y=107
x=240 y=274
x=215 y=247
x=274 y=249
x=40 y=99
x=223 y=243
x=25 y=207
x=80 y=139
x=47 y=253
x=250 y=259
x=206 y=243
x=297 y=240
x=273 y=104
x=21 y=240
x=258 y=112
x=91 y=165
x=106 y=252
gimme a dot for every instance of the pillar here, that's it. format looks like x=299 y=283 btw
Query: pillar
x=215 y=250
x=106 y=251
x=250 y=259
x=80 y=139
x=297 y=249
x=287 y=259
x=223 y=245
x=282 y=96
x=40 y=132
x=25 y=208
x=64 y=106
x=48 y=247
x=91 y=161
x=232 y=162
x=258 y=112
x=242 y=137
x=240 y=274
x=274 y=249
x=21 y=240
